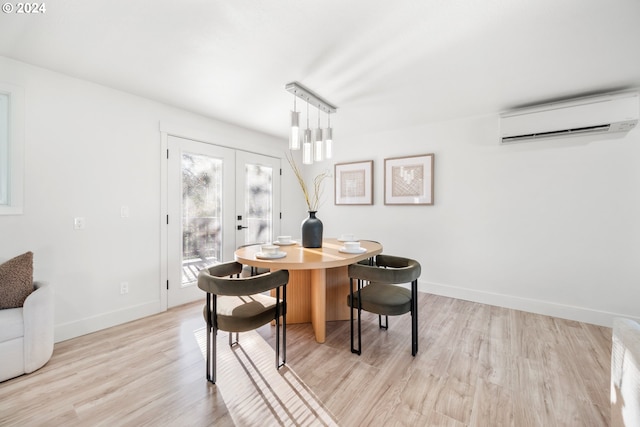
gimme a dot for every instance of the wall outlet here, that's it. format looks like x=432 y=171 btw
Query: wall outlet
x=79 y=223
x=124 y=288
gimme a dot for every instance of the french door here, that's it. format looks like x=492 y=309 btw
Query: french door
x=218 y=199
x=258 y=198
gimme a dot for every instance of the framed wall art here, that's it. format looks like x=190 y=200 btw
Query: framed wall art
x=408 y=180
x=354 y=183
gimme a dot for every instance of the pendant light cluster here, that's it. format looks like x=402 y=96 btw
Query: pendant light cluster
x=316 y=145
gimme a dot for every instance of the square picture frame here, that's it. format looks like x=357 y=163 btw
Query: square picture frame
x=354 y=183
x=409 y=180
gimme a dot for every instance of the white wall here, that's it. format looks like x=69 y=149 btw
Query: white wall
x=549 y=227
x=90 y=150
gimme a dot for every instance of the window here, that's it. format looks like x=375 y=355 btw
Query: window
x=11 y=149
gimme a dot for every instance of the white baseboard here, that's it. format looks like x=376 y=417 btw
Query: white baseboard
x=580 y=314
x=88 y=325
x=597 y=317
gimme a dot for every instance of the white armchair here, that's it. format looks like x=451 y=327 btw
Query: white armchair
x=26 y=334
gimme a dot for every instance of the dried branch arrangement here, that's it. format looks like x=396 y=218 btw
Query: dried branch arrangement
x=312 y=199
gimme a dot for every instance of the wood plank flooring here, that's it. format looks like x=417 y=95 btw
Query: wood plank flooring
x=477 y=365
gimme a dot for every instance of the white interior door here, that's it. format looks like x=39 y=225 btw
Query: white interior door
x=257 y=198
x=201 y=207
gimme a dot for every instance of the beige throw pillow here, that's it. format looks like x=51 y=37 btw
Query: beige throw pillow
x=16 y=280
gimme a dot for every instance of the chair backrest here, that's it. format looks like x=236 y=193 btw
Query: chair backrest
x=396 y=270
x=216 y=280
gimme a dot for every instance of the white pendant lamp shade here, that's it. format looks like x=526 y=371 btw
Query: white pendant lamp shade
x=317 y=143
x=318 y=153
x=294 y=136
x=307 y=143
x=328 y=142
x=307 y=152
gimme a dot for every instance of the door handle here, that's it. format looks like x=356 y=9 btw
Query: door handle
x=240 y=227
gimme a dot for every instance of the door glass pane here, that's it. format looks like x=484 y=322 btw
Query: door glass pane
x=201 y=214
x=258 y=204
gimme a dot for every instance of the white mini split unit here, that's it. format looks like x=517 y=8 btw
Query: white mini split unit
x=582 y=116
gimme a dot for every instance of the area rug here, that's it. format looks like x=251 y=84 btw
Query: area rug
x=255 y=393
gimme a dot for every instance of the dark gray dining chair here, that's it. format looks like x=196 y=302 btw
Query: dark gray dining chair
x=237 y=304
x=378 y=292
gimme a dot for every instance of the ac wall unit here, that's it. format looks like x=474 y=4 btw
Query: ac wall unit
x=582 y=116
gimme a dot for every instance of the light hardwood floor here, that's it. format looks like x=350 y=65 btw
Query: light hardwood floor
x=477 y=365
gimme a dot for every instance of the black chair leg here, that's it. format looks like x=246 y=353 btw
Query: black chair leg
x=211 y=339
x=386 y=322
x=359 y=308
x=208 y=320
x=414 y=317
x=359 y=327
x=277 y=328
x=284 y=325
x=277 y=341
x=208 y=362
x=351 y=311
x=231 y=341
x=281 y=312
x=214 y=347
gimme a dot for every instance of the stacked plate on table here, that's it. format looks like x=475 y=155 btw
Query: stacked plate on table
x=284 y=241
x=351 y=245
x=270 y=252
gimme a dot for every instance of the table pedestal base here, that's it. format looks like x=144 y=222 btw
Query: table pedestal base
x=318 y=296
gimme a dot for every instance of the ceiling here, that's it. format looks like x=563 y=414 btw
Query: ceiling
x=386 y=65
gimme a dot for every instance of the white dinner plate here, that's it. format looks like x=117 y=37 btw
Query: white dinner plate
x=357 y=251
x=293 y=242
x=277 y=255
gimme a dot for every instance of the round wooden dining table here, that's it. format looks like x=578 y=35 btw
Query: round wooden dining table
x=318 y=280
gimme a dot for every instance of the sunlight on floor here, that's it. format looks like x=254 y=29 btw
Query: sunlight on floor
x=255 y=392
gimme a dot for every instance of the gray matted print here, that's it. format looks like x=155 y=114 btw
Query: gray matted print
x=354 y=183
x=409 y=180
